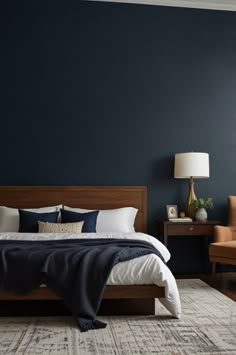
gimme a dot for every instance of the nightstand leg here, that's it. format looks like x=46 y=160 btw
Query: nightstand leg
x=165 y=239
x=213 y=270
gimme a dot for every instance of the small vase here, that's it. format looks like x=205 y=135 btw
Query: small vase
x=201 y=215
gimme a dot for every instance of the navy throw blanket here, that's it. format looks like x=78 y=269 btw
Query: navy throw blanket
x=76 y=270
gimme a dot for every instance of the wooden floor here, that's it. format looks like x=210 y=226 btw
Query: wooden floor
x=223 y=282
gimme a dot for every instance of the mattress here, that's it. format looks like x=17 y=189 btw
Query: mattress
x=144 y=270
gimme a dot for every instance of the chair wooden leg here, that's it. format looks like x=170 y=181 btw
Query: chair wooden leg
x=213 y=270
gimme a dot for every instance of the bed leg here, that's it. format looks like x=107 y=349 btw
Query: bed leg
x=127 y=307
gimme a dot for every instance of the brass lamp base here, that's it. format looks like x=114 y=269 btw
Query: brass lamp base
x=190 y=210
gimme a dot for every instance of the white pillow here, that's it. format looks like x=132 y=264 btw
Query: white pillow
x=116 y=220
x=9 y=217
x=46 y=227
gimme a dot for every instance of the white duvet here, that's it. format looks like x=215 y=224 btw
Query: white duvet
x=144 y=270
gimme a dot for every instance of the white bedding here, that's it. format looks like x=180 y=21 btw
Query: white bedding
x=144 y=270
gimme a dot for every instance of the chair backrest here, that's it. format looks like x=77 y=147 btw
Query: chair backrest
x=232 y=215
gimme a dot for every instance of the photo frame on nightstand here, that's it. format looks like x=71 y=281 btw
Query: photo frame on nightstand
x=172 y=211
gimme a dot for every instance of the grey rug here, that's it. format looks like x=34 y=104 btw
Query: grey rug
x=207 y=326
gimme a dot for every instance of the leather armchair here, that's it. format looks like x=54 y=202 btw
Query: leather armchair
x=223 y=250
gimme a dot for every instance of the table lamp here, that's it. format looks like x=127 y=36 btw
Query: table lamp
x=189 y=166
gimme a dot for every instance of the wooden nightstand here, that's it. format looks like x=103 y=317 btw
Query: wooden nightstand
x=167 y=229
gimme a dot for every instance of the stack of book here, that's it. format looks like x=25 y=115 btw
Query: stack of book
x=184 y=219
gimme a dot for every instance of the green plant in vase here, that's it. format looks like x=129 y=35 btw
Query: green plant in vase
x=201 y=205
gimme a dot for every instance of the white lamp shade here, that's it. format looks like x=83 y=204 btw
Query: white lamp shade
x=191 y=164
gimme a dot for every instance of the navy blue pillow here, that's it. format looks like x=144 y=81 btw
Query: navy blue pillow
x=29 y=220
x=89 y=218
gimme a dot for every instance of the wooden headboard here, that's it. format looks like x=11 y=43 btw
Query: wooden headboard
x=89 y=197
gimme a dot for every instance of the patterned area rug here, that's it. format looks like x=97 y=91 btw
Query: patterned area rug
x=207 y=326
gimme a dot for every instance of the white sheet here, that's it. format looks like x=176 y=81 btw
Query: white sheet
x=144 y=270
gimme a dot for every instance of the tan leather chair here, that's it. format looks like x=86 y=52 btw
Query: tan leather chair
x=223 y=250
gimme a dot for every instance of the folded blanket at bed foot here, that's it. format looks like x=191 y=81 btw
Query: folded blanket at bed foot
x=76 y=270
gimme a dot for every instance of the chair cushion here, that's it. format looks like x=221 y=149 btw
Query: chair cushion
x=225 y=249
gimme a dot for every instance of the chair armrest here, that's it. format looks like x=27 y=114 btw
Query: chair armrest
x=222 y=234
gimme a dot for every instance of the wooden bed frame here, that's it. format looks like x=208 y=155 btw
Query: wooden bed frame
x=137 y=299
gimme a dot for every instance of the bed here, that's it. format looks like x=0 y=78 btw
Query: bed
x=117 y=299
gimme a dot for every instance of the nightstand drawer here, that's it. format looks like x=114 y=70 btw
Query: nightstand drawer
x=190 y=229
x=167 y=228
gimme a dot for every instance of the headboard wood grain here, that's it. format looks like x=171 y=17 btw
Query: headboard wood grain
x=89 y=197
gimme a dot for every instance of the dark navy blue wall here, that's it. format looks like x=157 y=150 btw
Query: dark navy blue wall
x=106 y=94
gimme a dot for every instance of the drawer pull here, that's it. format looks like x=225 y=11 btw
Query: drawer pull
x=191 y=229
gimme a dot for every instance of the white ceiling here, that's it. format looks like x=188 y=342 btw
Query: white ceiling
x=228 y=5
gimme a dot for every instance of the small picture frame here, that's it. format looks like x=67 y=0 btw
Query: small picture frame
x=172 y=211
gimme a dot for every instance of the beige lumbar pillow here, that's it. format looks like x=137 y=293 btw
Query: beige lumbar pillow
x=45 y=227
